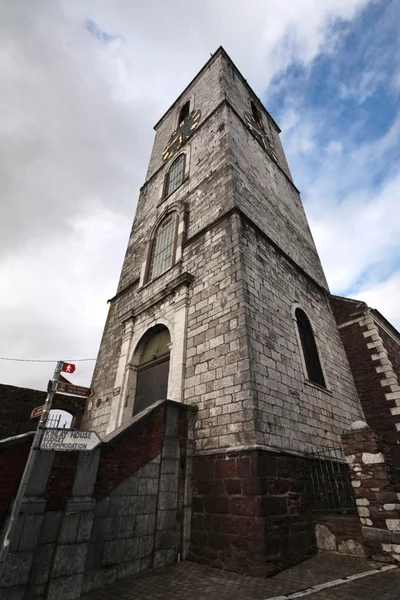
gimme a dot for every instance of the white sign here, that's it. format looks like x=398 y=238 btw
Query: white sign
x=69 y=440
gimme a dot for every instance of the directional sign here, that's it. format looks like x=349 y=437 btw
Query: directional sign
x=37 y=412
x=74 y=390
x=68 y=368
x=68 y=440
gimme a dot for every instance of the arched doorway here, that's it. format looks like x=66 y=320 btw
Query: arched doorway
x=152 y=368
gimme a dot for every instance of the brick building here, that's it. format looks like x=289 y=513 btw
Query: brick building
x=372 y=346
x=223 y=305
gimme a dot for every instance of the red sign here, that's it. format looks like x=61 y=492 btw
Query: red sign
x=75 y=390
x=68 y=368
x=37 y=412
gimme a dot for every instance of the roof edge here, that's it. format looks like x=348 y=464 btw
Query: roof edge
x=220 y=51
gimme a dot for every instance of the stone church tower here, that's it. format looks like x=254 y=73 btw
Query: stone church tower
x=222 y=301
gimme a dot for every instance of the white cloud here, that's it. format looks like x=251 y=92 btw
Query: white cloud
x=76 y=117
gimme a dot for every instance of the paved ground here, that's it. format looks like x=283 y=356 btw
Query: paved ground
x=190 y=581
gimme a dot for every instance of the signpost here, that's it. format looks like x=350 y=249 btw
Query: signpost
x=37 y=412
x=69 y=440
x=35 y=449
x=74 y=390
x=68 y=368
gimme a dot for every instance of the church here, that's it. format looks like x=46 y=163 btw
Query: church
x=223 y=306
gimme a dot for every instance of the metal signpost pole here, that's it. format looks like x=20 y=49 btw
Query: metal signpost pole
x=35 y=448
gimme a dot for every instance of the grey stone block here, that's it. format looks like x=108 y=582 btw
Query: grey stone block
x=67 y=588
x=94 y=557
x=92 y=580
x=41 y=565
x=105 y=529
x=17 y=533
x=169 y=483
x=165 y=539
x=80 y=504
x=38 y=480
x=171 y=425
x=170 y=465
x=129 y=487
x=30 y=532
x=146 y=563
x=85 y=526
x=380 y=535
x=113 y=552
x=69 y=528
x=131 y=549
x=163 y=558
x=86 y=471
x=170 y=450
x=149 y=504
x=13 y=593
x=33 y=506
x=128 y=568
x=141 y=525
x=148 y=486
x=16 y=570
x=146 y=545
x=50 y=526
x=119 y=506
x=167 y=500
x=136 y=505
x=69 y=559
x=166 y=519
x=102 y=507
x=126 y=526
x=151 y=524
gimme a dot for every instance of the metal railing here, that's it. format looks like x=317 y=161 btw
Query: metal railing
x=330 y=481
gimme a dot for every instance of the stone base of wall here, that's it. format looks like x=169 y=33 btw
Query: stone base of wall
x=339 y=534
x=250 y=512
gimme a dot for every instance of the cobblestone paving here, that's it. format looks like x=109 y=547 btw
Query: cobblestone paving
x=190 y=581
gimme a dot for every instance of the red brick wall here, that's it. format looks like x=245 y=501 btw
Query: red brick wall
x=130 y=451
x=249 y=512
x=12 y=463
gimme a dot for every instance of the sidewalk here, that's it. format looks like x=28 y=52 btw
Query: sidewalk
x=190 y=581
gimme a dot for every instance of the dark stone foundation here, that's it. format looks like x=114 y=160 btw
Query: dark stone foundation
x=250 y=511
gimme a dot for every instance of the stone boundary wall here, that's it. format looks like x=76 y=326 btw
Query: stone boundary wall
x=339 y=534
x=17 y=403
x=377 y=501
x=90 y=518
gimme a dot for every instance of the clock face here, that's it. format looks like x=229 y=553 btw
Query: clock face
x=181 y=134
x=260 y=135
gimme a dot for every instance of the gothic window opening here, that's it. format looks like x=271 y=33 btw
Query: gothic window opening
x=309 y=347
x=184 y=112
x=153 y=368
x=256 y=114
x=174 y=177
x=163 y=246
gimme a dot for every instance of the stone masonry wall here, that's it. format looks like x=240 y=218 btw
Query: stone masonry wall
x=250 y=511
x=377 y=501
x=125 y=507
x=290 y=412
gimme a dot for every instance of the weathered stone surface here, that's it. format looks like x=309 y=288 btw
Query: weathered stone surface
x=69 y=559
x=325 y=539
x=67 y=588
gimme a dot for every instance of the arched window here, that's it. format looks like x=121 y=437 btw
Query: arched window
x=163 y=246
x=310 y=352
x=184 y=112
x=174 y=177
x=256 y=114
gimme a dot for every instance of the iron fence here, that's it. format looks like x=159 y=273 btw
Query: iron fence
x=330 y=481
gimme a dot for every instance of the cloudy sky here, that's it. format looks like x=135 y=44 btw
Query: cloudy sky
x=82 y=84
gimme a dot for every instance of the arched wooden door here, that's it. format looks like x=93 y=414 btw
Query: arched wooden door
x=153 y=369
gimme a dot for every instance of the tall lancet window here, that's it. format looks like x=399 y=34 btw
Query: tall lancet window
x=174 y=177
x=163 y=246
x=309 y=347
